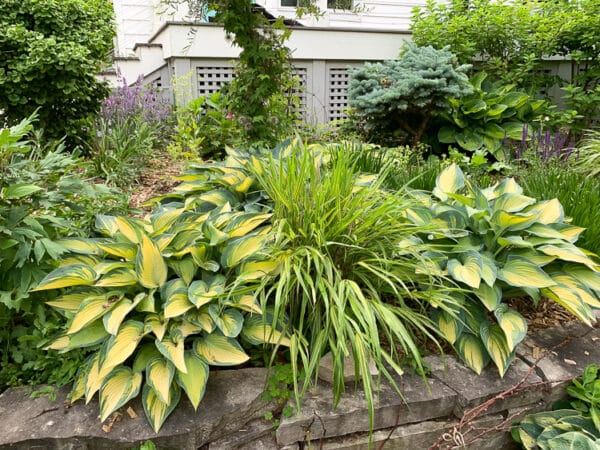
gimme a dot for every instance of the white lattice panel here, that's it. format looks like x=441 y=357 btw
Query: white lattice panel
x=337 y=93
x=211 y=78
x=301 y=73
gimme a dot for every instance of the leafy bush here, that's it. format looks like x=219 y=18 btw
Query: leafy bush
x=52 y=51
x=205 y=127
x=577 y=193
x=407 y=92
x=588 y=155
x=571 y=424
x=484 y=119
x=160 y=299
x=499 y=244
x=41 y=199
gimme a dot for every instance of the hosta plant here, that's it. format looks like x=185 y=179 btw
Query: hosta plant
x=484 y=119
x=159 y=300
x=498 y=244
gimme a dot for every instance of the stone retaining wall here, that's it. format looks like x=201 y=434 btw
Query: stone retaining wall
x=231 y=415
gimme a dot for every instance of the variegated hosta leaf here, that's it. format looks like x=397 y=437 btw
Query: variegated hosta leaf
x=576 y=286
x=131 y=231
x=519 y=272
x=150 y=265
x=469 y=272
x=80 y=245
x=145 y=353
x=587 y=277
x=214 y=235
x=91 y=309
x=173 y=351
x=507 y=186
x=247 y=303
x=514 y=241
x=157 y=325
x=121 y=346
x=489 y=296
x=489 y=270
x=201 y=292
x=450 y=180
x=91 y=335
x=163 y=219
x=257 y=331
x=571 y=301
x=119 y=386
x=94 y=377
x=544 y=231
x=107 y=225
x=202 y=319
x=177 y=302
x=568 y=253
x=512 y=202
x=515 y=222
x=185 y=268
x=118 y=278
x=159 y=375
x=156 y=410
x=238 y=249
x=229 y=321
x=126 y=251
x=186 y=328
x=570 y=232
x=72 y=301
x=450 y=327
x=219 y=197
x=550 y=211
x=471 y=350
x=244 y=224
x=68 y=276
x=194 y=381
x=252 y=270
x=512 y=324
x=219 y=350
x=494 y=341
x=113 y=319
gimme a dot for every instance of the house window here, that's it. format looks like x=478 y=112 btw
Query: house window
x=339 y=4
x=295 y=3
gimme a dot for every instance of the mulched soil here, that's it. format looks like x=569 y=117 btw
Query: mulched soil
x=159 y=178
x=546 y=314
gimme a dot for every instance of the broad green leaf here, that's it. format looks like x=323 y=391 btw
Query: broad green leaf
x=20 y=190
x=159 y=375
x=219 y=350
x=185 y=268
x=91 y=335
x=568 y=253
x=513 y=325
x=572 y=440
x=68 y=276
x=121 y=346
x=489 y=270
x=144 y=354
x=238 y=249
x=469 y=272
x=173 y=351
x=156 y=410
x=150 y=265
x=447 y=135
x=544 y=231
x=450 y=180
x=91 y=309
x=119 y=386
x=494 y=341
x=471 y=350
x=194 y=381
x=215 y=235
x=257 y=332
x=229 y=321
x=489 y=296
x=518 y=272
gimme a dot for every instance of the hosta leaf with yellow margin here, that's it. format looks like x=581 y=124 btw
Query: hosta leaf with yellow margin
x=519 y=272
x=571 y=301
x=185 y=268
x=119 y=386
x=68 y=276
x=568 y=253
x=164 y=218
x=576 y=286
x=238 y=249
x=93 y=334
x=514 y=222
x=471 y=350
x=130 y=230
x=419 y=215
x=491 y=297
x=247 y=303
x=229 y=321
x=257 y=331
x=121 y=346
x=587 y=277
x=512 y=202
x=512 y=324
x=91 y=309
x=194 y=381
x=118 y=278
x=173 y=351
x=469 y=272
x=80 y=245
x=159 y=375
x=252 y=270
x=150 y=265
x=107 y=225
x=550 y=211
x=124 y=250
x=155 y=324
x=450 y=327
x=245 y=223
x=156 y=410
x=450 y=180
x=219 y=350
x=72 y=301
x=202 y=292
x=143 y=355
x=494 y=341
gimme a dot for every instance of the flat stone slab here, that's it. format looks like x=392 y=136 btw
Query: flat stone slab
x=318 y=419
x=233 y=398
x=473 y=389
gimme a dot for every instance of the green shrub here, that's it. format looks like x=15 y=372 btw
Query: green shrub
x=41 y=199
x=571 y=424
x=499 y=244
x=588 y=155
x=407 y=92
x=52 y=51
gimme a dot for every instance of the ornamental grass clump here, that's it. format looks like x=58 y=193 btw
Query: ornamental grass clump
x=499 y=244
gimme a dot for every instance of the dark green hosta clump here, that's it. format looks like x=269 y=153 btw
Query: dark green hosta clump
x=499 y=244
x=493 y=113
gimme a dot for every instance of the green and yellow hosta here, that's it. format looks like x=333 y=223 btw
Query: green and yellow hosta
x=161 y=299
x=497 y=243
